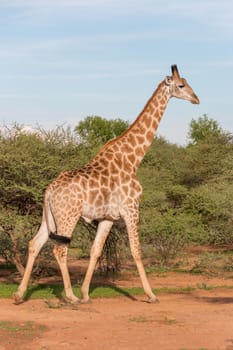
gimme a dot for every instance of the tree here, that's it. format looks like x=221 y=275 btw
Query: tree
x=94 y=130
x=203 y=128
x=207 y=160
x=187 y=191
x=28 y=163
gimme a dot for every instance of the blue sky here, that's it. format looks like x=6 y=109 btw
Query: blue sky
x=61 y=60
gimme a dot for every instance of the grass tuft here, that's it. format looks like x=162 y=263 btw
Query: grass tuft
x=48 y=292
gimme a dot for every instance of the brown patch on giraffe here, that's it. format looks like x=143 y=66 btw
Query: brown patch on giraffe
x=66 y=198
x=132 y=140
x=99 y=201
x=132 y=193
x=84 y=174
x=98 y=168
x=109 y=155
x=131 y=158
x=103 y=181
x=127 y=148
x=113 y=169
x=139 y=151
x=104 y=162
x=126 y=189
x=65 y=181
x=147 y=121
x=72 y=202
x=150 y=109
x=119 y=162
x=125 y=175
x=66 y=192
x=127 y=169
x=93 y=182
x=114 y=180
x=83 y=183
x=118 y=155
x=105 y=172
x=142 y=129
x=149 y=135
x=105 y=192
x=92 y=196
x=115 y=147
x=158 y=116
x=162 y=101
x=156 y=103
x=155 y=123
x=140 y=139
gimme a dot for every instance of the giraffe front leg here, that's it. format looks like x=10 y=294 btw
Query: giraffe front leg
x=132 y=228
x=102 y=232
x=60 y=253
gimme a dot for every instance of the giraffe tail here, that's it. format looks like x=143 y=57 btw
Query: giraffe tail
x=50 y=221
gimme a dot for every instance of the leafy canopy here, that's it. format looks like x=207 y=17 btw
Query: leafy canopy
x=94 y=130
x=203 y=128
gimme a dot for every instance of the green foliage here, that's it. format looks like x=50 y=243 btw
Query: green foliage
x=212 y=263
x=187 y=191
x=166 y=234
x=206 y=161
x=176 y=194
x=194 y=184
x=212 y=205
x=203 y=129
x=95 y=130
x=28 y=163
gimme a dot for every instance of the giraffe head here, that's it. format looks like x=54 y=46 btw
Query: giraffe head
x=179 y=87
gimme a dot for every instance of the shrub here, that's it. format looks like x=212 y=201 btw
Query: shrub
x=167 y=235
x=212 y=205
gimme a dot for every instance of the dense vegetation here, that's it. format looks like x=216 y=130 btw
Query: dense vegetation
x=187 y=198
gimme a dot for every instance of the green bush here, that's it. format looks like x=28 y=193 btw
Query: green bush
x=212 y=205
x=187 y=191
x=166 y=234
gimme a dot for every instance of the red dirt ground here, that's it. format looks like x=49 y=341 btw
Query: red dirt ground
x=200 y=320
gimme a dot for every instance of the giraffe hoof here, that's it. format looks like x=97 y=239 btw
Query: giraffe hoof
x=73 y=300
x=18 y=299
x=153 y=300
x=86 y=301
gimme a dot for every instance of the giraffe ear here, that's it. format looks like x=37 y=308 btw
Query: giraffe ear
x=175 y=72
x=168 y=80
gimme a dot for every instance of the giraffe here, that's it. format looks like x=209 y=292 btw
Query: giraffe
x=106 y=189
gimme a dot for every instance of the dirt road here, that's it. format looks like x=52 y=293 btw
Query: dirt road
x=194 y=321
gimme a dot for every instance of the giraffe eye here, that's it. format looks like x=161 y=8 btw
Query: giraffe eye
x=181 y=86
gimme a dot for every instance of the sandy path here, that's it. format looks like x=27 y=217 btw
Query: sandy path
x=199 y=320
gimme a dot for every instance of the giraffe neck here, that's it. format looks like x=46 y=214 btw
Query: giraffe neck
x=134 y=142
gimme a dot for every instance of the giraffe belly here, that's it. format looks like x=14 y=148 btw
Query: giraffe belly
x=105 y=212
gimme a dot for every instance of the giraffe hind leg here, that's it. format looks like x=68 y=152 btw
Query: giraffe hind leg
x=62 y=239
x=35 y=246
x=60 y=252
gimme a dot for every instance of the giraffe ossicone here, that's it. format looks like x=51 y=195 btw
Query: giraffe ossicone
x=105 y=190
